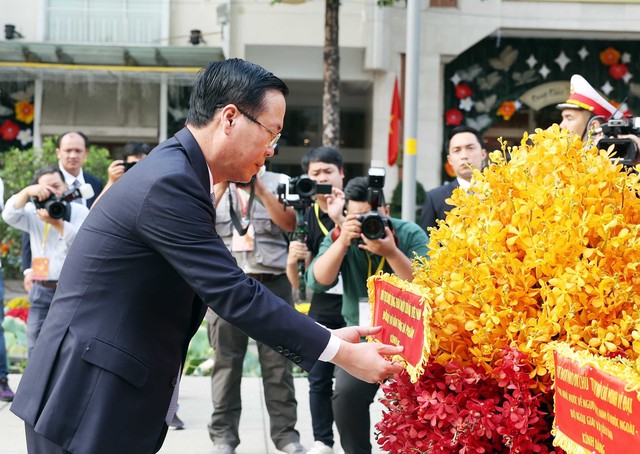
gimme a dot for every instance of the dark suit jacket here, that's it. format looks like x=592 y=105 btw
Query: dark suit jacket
x=434 y=206
x=138 y=278
x=25 y=248
x=97 y=186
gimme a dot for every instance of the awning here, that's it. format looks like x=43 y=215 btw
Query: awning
x=97 y=63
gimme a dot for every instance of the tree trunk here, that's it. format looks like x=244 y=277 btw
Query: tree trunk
x=331 y=72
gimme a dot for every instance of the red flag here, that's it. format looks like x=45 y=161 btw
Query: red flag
x=394 y=125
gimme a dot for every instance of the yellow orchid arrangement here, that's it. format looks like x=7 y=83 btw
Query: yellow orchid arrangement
x=544 y=247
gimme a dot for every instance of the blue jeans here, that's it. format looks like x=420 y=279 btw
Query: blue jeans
x=4 y=366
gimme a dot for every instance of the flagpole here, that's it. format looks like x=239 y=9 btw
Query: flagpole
x=411 y=112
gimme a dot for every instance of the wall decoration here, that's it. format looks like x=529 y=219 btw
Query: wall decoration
x=16 y=115
x=485 y=83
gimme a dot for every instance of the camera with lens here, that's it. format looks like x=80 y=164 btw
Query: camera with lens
x=301 y=190
x=57 y=206
x=624 y=149
x=373 y=223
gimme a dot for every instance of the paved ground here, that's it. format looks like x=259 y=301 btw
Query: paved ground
x=195 y=409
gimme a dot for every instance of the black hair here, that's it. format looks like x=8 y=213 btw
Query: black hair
x=81 y=134
x=328 y=155
x=233 y=81
x=46 y=171
x=461 y=129
x=357 y=189
x=136 y=149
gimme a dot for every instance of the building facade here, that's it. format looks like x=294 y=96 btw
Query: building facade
x=120 y=70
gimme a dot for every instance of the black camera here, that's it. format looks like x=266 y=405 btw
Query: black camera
x=305 y=187
x=57 y=206
x=300 y=191
x=373 y=223
x=128 y=165
x=624 y=150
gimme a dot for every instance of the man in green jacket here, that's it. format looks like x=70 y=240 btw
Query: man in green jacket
x=347 y=251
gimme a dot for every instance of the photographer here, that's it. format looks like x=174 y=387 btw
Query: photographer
x=349 y=252
x=49 y=246
x=133 y=152
x=252 y=223
x=590 y=115
x=325 y=166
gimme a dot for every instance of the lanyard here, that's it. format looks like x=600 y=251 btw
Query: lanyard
x=44 y=236
x=380 y=265
x=246 y=210
x=316 y=208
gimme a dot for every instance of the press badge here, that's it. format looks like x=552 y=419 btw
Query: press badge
x=243 y=243
x=364 y=318
x=337 y=289
x=40 y=267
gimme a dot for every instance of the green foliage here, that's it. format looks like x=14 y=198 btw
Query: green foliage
x=15 y=335
x=16 y=170
x=396 y=201
x=199 y=350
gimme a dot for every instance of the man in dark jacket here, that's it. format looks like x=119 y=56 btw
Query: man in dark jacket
x=466 y=153
x=147 y=262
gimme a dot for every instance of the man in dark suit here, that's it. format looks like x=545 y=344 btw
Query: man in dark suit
x=71 y=148
x=466 y=153
x=144 y=267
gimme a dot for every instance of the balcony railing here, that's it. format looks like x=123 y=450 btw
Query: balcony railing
x=108 y=27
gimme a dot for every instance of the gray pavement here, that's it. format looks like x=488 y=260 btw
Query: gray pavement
x=195 y=410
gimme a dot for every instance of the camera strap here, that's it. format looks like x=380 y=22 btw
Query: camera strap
x=242 y=230
x=45 y=234
x=380 y=265
x=323 y=228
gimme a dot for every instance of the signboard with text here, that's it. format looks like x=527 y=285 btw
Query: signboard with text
x=401 y=314
x=594 y=409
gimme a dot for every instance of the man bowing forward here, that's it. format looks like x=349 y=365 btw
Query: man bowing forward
x=104 y=374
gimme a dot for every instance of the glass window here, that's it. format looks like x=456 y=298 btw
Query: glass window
x=303 y=128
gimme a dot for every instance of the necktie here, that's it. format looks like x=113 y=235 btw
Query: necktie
x=75 y=185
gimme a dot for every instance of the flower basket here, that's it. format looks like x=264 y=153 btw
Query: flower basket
x=544 y=247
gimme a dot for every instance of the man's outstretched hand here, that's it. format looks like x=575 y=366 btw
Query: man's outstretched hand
x=370 y=362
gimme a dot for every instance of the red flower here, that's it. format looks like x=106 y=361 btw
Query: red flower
x=609 y=56
x=463 y=409
x=19 y=312
x=463 y=91
x=618 y=70
x=453 y=117
x=9 y=130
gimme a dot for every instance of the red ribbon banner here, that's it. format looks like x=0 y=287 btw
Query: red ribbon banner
x=593 y=410
x=400 y=313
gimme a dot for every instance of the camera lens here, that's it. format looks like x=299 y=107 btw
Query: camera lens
x=56 y=209
x=305 y=187
x=373 y=227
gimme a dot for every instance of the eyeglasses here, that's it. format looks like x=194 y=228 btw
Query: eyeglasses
x=275 y=138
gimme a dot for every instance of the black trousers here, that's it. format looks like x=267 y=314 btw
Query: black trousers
x=351 y=401
x=37 y=444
